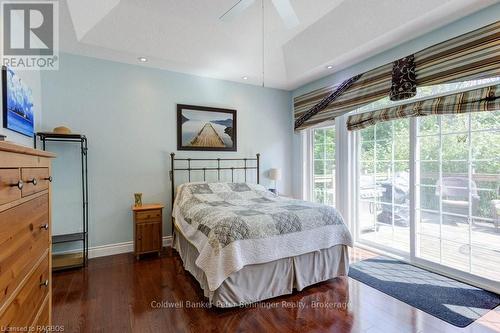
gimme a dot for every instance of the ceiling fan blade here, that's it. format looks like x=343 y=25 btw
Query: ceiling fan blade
x=236 y=10
x=286 y=12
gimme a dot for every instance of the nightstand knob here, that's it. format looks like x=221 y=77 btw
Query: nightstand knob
x=49 y=178
x=44 y=283
x=33 y=181
x=44 y=226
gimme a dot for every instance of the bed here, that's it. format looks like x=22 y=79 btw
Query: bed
x=245 y=244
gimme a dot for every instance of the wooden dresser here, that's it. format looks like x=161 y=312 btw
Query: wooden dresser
x=25 y=238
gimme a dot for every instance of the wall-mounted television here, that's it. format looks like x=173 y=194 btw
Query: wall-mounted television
x=17 y=103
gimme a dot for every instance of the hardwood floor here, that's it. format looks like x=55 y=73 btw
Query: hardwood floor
x=119 y=294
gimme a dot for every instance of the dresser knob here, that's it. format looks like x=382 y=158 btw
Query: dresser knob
x=44 y=226
x=19 y=184
x=44 y=283
x=49 y=178
x=33 y=181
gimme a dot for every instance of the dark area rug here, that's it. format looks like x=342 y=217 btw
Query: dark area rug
x=455 y=302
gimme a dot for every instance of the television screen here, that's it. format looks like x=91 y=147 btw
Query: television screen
x=17 y=103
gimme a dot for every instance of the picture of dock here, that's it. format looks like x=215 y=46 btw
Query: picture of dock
x=200 y=129
x=207 y=137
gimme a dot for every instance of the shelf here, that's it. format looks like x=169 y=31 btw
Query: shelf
x=66 y=238
x=63 y=261
x=67 y=261
x=49 y=135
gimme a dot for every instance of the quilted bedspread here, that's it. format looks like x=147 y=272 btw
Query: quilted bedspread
x=238 y=224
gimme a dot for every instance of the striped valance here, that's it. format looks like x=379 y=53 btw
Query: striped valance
x=332 y=97
x=470 y=56
x=372 y=86
x=476 y=100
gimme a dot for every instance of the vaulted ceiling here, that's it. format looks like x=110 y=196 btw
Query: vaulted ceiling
x=187 y=36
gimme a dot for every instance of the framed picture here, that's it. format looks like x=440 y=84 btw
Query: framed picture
x=17 y=103
x=205 y=128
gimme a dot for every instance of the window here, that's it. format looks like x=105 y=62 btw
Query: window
x=458 y=210
x=455 y=169
x=383 y=185
x=323 y=182
x=457 y=190
x=426 y=188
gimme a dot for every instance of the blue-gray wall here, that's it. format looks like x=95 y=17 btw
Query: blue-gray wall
x=128 y=113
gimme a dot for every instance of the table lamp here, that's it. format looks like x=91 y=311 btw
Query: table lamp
x=275 y=174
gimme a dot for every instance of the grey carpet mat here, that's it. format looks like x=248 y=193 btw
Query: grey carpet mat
x=455 y=302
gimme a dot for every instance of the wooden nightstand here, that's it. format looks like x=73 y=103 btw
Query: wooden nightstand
x=148 y=235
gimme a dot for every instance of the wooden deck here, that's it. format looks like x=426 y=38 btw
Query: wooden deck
x=207 y=137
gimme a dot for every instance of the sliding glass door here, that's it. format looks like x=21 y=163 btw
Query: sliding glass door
x=426 y=189
x=437 y=204
x=457 y=192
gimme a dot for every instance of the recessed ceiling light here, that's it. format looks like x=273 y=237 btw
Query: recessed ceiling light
x=245 y=77
x=142 y=59
x=329 y=67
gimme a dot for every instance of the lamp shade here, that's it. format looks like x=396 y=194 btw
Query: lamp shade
x=275 y=174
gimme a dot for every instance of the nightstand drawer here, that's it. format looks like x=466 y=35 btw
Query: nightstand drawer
x=148 y=215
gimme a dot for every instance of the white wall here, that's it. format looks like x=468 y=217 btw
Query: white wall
x=129 y=116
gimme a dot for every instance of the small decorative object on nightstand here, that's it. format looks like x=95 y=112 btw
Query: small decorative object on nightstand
x=148 y=235
x=275 y=174
x=138 y=199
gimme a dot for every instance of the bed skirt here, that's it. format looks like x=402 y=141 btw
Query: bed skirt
x=258 y=282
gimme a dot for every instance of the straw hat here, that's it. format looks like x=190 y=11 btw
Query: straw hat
x=62 y=130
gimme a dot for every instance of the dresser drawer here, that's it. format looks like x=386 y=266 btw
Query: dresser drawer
x=8 y=189
x=24 y=238
x=35 y=180
x=22 y=311
x=148 y=215
x=42 y=321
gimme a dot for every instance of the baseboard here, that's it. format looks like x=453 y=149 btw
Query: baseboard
x=125 y=247
x=117 y=248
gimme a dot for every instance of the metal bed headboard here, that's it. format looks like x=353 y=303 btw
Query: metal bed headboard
x=189 y=168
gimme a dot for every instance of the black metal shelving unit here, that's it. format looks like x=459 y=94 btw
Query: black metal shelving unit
x=77 y=236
